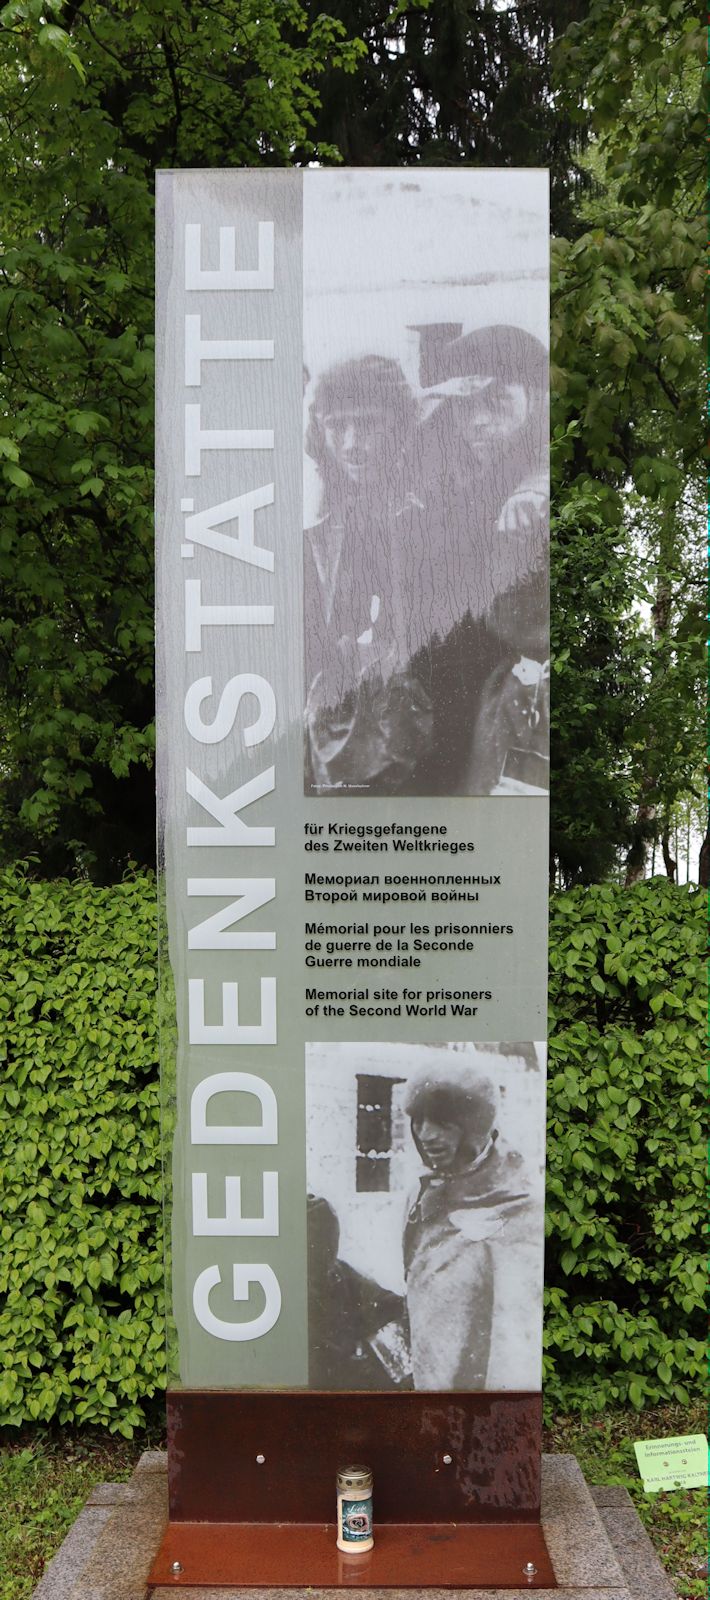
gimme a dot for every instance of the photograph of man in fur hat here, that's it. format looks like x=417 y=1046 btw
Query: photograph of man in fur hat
x=427 y=1161
x=474 y=1190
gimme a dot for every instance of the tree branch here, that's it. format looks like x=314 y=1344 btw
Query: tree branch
x=175 y=86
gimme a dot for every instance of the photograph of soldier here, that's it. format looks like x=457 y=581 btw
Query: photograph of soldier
x=357 y=1337
x=425 y=574
x=368 y=716
x=474 y=1190
x=425 y=1216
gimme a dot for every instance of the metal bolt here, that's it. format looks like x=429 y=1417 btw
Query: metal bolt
x=530 y=1569
x=260 y=1460
x=447 y=1460
x=176 y=1566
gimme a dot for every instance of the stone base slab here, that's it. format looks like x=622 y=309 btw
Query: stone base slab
x=598 y=1546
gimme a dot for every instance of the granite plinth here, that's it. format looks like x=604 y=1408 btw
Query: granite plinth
x=637 y=1557
x=59 y=1577
x=599 y=1548
x=118 y=1566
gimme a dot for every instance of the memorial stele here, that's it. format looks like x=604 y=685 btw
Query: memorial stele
x=352 y=513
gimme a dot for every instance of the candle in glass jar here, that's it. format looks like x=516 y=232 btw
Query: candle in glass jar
x=354 y=1486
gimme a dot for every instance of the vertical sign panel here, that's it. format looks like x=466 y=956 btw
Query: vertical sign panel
x=353 y=673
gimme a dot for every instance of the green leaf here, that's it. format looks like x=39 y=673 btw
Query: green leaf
x=16 y=475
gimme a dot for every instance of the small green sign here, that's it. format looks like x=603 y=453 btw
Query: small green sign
x=680 y=1463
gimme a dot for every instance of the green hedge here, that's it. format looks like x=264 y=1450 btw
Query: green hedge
x=81 y=1265
x=82 y=1331
x=626 y=1168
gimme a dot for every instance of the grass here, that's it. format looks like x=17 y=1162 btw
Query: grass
x=676 y=1521
x=46 y=1477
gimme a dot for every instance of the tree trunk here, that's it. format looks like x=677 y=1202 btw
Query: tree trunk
x=704 y=862
x=661 y=620
x=669 y=861
x=636 y=858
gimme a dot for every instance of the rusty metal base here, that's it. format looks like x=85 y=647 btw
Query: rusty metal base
x=252 y=1486
x=304 y=1555
x=265 y=1457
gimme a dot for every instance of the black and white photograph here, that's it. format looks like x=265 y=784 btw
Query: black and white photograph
x=425 y=1174
x=426 y=491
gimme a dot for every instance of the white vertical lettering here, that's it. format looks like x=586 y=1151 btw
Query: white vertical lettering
x=199 y=528
x=230 y=699
x=198 y=350
x=229 y=1030
x=198 y=439
x=199 y=616
x=243 y=1278
x=233 y=1224
x=228 y=275
x=211 y=934
x=263 y=1132
x=232 y=830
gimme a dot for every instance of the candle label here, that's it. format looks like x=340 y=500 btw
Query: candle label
x=356 y=1520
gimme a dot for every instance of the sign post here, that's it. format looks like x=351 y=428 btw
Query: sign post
x=353 y=711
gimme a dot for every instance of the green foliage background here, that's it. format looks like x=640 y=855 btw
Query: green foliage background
x=80 y=1214
x=81 y=1264
x=625 y=1268
x=96 y=95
